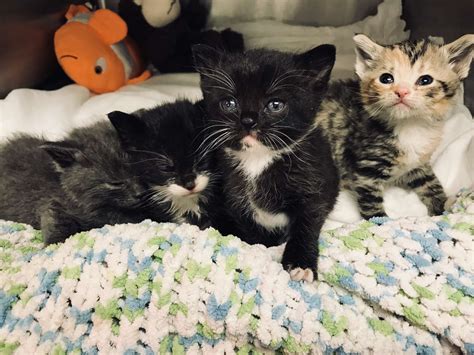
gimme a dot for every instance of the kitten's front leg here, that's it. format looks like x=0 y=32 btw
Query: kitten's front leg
x=56 y=224
x=302 y=249
x=369 y=192
x=426 y=185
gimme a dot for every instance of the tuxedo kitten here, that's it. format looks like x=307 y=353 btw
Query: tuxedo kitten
x=384 y=127
x=162 y=144
x=279 y=180
x=69 y=186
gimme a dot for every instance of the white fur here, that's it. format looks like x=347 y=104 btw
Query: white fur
x=201 y=182
x=182 y=200
x=269 y=221
x=417 y=140
x=300 y=274
x=254 y=160
x=186 y=204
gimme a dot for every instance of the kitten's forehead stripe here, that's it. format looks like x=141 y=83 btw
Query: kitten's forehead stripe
x=414 y=50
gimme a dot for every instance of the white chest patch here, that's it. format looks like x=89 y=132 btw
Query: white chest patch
x=270 y=221
x=253 y=160
x=417 y=142
x=182 y=205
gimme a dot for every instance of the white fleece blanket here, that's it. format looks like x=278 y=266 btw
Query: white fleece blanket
x=53 y=114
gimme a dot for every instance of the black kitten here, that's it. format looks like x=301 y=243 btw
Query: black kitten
x=162 y=144
x=279 y=179
x=65 y=187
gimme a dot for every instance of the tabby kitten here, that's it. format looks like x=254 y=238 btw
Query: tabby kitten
x=384 y=127
x=162 y=144
x=279 y=180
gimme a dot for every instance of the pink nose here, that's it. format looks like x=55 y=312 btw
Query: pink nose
x=402 y=92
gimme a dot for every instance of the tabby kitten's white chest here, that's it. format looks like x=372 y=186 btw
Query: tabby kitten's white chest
x=416 y=141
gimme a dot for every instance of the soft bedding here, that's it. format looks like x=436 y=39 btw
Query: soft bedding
x=390 y=286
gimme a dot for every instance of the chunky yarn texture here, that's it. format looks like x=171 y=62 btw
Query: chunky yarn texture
x=385 y=286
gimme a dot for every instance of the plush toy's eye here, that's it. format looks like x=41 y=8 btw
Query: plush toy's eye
x=100 y=65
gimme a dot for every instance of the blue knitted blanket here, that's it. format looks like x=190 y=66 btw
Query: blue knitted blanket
x=385 y=286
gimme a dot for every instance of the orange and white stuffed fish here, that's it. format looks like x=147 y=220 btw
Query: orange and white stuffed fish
x=95 y=52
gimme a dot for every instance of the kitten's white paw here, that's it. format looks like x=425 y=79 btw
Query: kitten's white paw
x=299 y=274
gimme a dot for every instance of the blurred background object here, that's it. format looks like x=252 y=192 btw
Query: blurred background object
x=26 y=45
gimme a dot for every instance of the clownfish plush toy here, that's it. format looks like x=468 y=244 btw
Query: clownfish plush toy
x=94 y=50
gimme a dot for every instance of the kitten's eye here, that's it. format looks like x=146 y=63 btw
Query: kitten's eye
x=228 y=105
x=275 y=106
x=168 y=168
x=424 y=80
x=386 y=78
x=201 y=165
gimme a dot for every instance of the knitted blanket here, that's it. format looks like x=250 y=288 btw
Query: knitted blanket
x=386 y=286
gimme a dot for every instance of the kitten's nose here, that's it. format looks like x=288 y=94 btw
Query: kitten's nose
x=189 y=182
x=248 y=122
x=189 y=185
x=402 y=92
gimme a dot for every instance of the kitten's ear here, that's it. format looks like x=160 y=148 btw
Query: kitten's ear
x=205 y=57
x=319 y=60
x=130 y=129
x=64 y=154
x=366 y=53
x=460 y=53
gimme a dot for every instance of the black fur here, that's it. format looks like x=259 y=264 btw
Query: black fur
x=302 y=182
x=161 y=143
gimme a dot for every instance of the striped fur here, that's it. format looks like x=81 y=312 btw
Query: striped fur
x=378 y=141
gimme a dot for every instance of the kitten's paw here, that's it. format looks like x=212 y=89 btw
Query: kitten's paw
x=450 y=201
x=56 y=224
x=300 y=274
x=368 y=216
x=301 y=263
x=438 y=206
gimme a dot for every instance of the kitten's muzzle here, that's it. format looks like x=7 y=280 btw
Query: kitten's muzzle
x=189 y=182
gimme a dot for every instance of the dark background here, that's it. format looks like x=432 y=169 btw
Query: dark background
x=27 y=27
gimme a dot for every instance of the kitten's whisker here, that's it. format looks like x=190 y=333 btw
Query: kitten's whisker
x=210 y=137
x=218 y=75
x=218 y=142
x=289 y=147
x=145 y=160
x=148 y=152
x=221 y=88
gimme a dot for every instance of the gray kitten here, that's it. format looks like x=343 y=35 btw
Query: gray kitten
x=384 y=127
x=65 y=187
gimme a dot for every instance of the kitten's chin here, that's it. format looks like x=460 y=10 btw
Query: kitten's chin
x=250 y=141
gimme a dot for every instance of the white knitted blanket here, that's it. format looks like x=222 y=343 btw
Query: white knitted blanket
x=386 y=286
